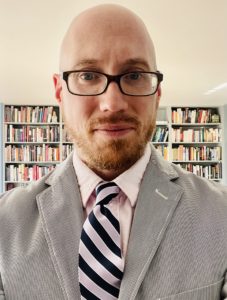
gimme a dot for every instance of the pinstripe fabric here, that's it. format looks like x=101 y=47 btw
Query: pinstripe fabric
x=100 y=259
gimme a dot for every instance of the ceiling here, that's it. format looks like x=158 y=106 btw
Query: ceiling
x=190 y=38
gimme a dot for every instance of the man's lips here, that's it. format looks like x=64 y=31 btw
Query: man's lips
x=114 y=129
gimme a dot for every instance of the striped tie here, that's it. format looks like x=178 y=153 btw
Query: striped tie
x=100 y=261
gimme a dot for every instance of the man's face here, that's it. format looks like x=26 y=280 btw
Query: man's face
x=110 y=130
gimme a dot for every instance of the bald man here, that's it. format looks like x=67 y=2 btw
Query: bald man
x=113 y=221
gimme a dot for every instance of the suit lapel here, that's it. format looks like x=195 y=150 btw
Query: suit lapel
x=62 y=218
x=157 y=200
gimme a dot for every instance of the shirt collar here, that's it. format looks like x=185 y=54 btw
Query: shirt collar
x=128 y=181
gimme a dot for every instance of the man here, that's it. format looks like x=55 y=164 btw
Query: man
x=153 y=231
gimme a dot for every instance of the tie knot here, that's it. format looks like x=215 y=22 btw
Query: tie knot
x=106 y=191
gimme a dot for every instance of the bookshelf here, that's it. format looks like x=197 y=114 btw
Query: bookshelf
x=32 y=147
x=160 y=138
x=32 y=144
x=197 y=140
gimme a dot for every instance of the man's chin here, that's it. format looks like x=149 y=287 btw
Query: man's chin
x=114 y=153
x=119 y=154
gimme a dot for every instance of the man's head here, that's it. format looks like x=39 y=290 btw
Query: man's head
x=110 y=130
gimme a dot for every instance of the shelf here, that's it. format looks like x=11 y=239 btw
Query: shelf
x=197 y=161
x=162 y=123
x=31 y=143
x=32 y=124
x=32 y=162
x=196 y=124
x=195 y=143
x=18 y=182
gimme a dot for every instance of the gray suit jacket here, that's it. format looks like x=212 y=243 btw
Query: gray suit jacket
x=177 y=248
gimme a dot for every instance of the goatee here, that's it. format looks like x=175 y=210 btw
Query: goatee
x=117 y=154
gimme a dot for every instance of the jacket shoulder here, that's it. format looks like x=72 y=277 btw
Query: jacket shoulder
x=15 y=203
x=202 y=189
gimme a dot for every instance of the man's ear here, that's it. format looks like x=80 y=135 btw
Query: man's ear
x=58 y=88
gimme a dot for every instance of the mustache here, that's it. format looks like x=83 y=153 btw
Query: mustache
x=114 y=119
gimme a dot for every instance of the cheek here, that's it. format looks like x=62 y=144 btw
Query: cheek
x=146 y=110
x=76 y=110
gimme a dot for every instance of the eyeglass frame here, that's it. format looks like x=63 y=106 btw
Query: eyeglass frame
x=111 y=78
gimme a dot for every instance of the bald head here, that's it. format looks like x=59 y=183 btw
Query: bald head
x=101 y=30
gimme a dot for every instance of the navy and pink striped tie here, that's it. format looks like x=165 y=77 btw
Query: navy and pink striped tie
x=100 y=260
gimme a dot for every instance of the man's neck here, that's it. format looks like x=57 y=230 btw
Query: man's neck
x=107 y=175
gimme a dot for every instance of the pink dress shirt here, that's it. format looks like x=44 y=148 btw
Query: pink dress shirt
x=124 y=205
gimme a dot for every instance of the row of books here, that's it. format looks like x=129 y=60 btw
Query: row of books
x=161 y=135
x=30 y=114
x=182 y=153
x=32 y=153
x=204 y=135
x=66 y=150
x=209 y=172
x=23 y=172
x=22 y=134
x=163 y=150
x=195 y=115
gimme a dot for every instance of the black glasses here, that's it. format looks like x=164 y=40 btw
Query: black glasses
x=90 y=83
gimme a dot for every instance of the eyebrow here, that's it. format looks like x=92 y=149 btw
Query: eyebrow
x=137 y=61
x=86 y=62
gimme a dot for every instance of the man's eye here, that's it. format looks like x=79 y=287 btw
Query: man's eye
x=88 y=76
x=133 y=76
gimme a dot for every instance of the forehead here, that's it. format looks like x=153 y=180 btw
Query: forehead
x=106 y=41
x=90 y=63
x=107 y=50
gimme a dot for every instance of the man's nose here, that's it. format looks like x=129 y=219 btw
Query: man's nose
x=113 y=100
